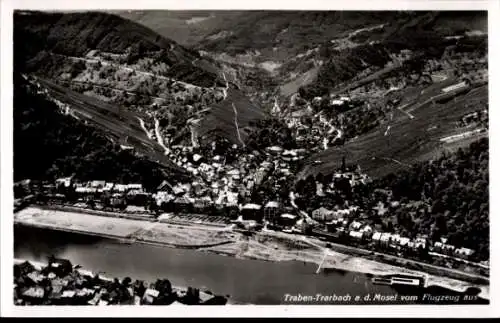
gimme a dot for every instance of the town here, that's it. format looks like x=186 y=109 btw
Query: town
x=222 y=204
x=363 y=149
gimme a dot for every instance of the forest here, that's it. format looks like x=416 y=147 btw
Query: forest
x=37 y=35
x=456 y=189
x=446 y=197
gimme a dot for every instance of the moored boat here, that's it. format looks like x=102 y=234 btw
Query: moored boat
x=400 y=280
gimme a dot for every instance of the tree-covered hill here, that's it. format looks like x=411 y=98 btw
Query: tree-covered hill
x=49 y=144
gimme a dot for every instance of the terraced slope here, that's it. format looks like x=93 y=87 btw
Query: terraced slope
x=415 y=134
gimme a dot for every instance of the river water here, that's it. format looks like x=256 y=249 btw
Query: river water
x=246 y=281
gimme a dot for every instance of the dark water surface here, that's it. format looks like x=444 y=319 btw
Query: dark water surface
x=246 y=281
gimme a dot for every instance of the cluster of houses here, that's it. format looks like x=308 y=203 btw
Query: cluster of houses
x=218 y=183
x=442 y=247
x=218 y=186
x=321 y=131
x=359 y=232
x=61 y=283
x=397 y=241
x=340 y=224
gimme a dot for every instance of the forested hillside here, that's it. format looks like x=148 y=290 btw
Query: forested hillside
x=38 y=35
x=446 y=197
x=49 y=144
x=456 y=188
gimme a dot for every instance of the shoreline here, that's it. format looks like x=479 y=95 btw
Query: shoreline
x=267 y=246
x=124 y=239
x=363 y=266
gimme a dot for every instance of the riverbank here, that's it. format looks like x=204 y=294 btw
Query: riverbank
x=270 y=246
x=267 y=246
x=127 y=230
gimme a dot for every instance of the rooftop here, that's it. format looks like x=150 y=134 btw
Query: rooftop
x=251 y=206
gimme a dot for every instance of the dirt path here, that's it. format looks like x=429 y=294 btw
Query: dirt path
x=159 y=138
x=236 y=124
x=143 y=126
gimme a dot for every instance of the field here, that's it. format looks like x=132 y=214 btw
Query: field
x=121 y=124
x=414 y=135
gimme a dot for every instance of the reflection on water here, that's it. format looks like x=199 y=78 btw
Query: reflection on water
x=246 y=281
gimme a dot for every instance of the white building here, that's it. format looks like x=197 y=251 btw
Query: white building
x=356 y=235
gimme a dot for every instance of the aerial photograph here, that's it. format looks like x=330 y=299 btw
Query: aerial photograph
x=253 y=157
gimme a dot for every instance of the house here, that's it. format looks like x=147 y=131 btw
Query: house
x=202 y=203
x=319 y=189
x=164 y=186
x=287 y=220
x=97 y=184
x=367 y=231
x=274 y=149
x=178 y=190
x=394 y=240
x=385 y=238
x=233 y=172
x=135 y=187
x=252 y=212
x=420 y=242
x=61 y=267
x=338 y=102
x=85 y=191
x=380 y=208
x=217 y=158
x=394 y=204
x=356 y=235
x=34 y=294
x=377 y=236
x=120 y=188
x=231 y=198
x=355 y=225
x=323 y=214
x=198 y=188
x=290 y=153
x=24 y=182
x=464 y=252
x=163 y=197
x=182 y=204
x=197 y=158
x=271 y=210
x=443 y=247
x=150 y=296
x=108 y=186
x=35 y=277
x=66 y=182
x=404 y=241
x=118 y=201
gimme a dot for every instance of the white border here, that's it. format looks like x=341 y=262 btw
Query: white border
x=7 y=308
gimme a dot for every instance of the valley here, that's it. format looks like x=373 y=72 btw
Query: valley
x=365 y=132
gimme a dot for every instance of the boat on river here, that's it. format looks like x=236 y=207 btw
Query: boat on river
x=400 y=280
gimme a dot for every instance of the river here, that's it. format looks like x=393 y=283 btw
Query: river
x=246 y=281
